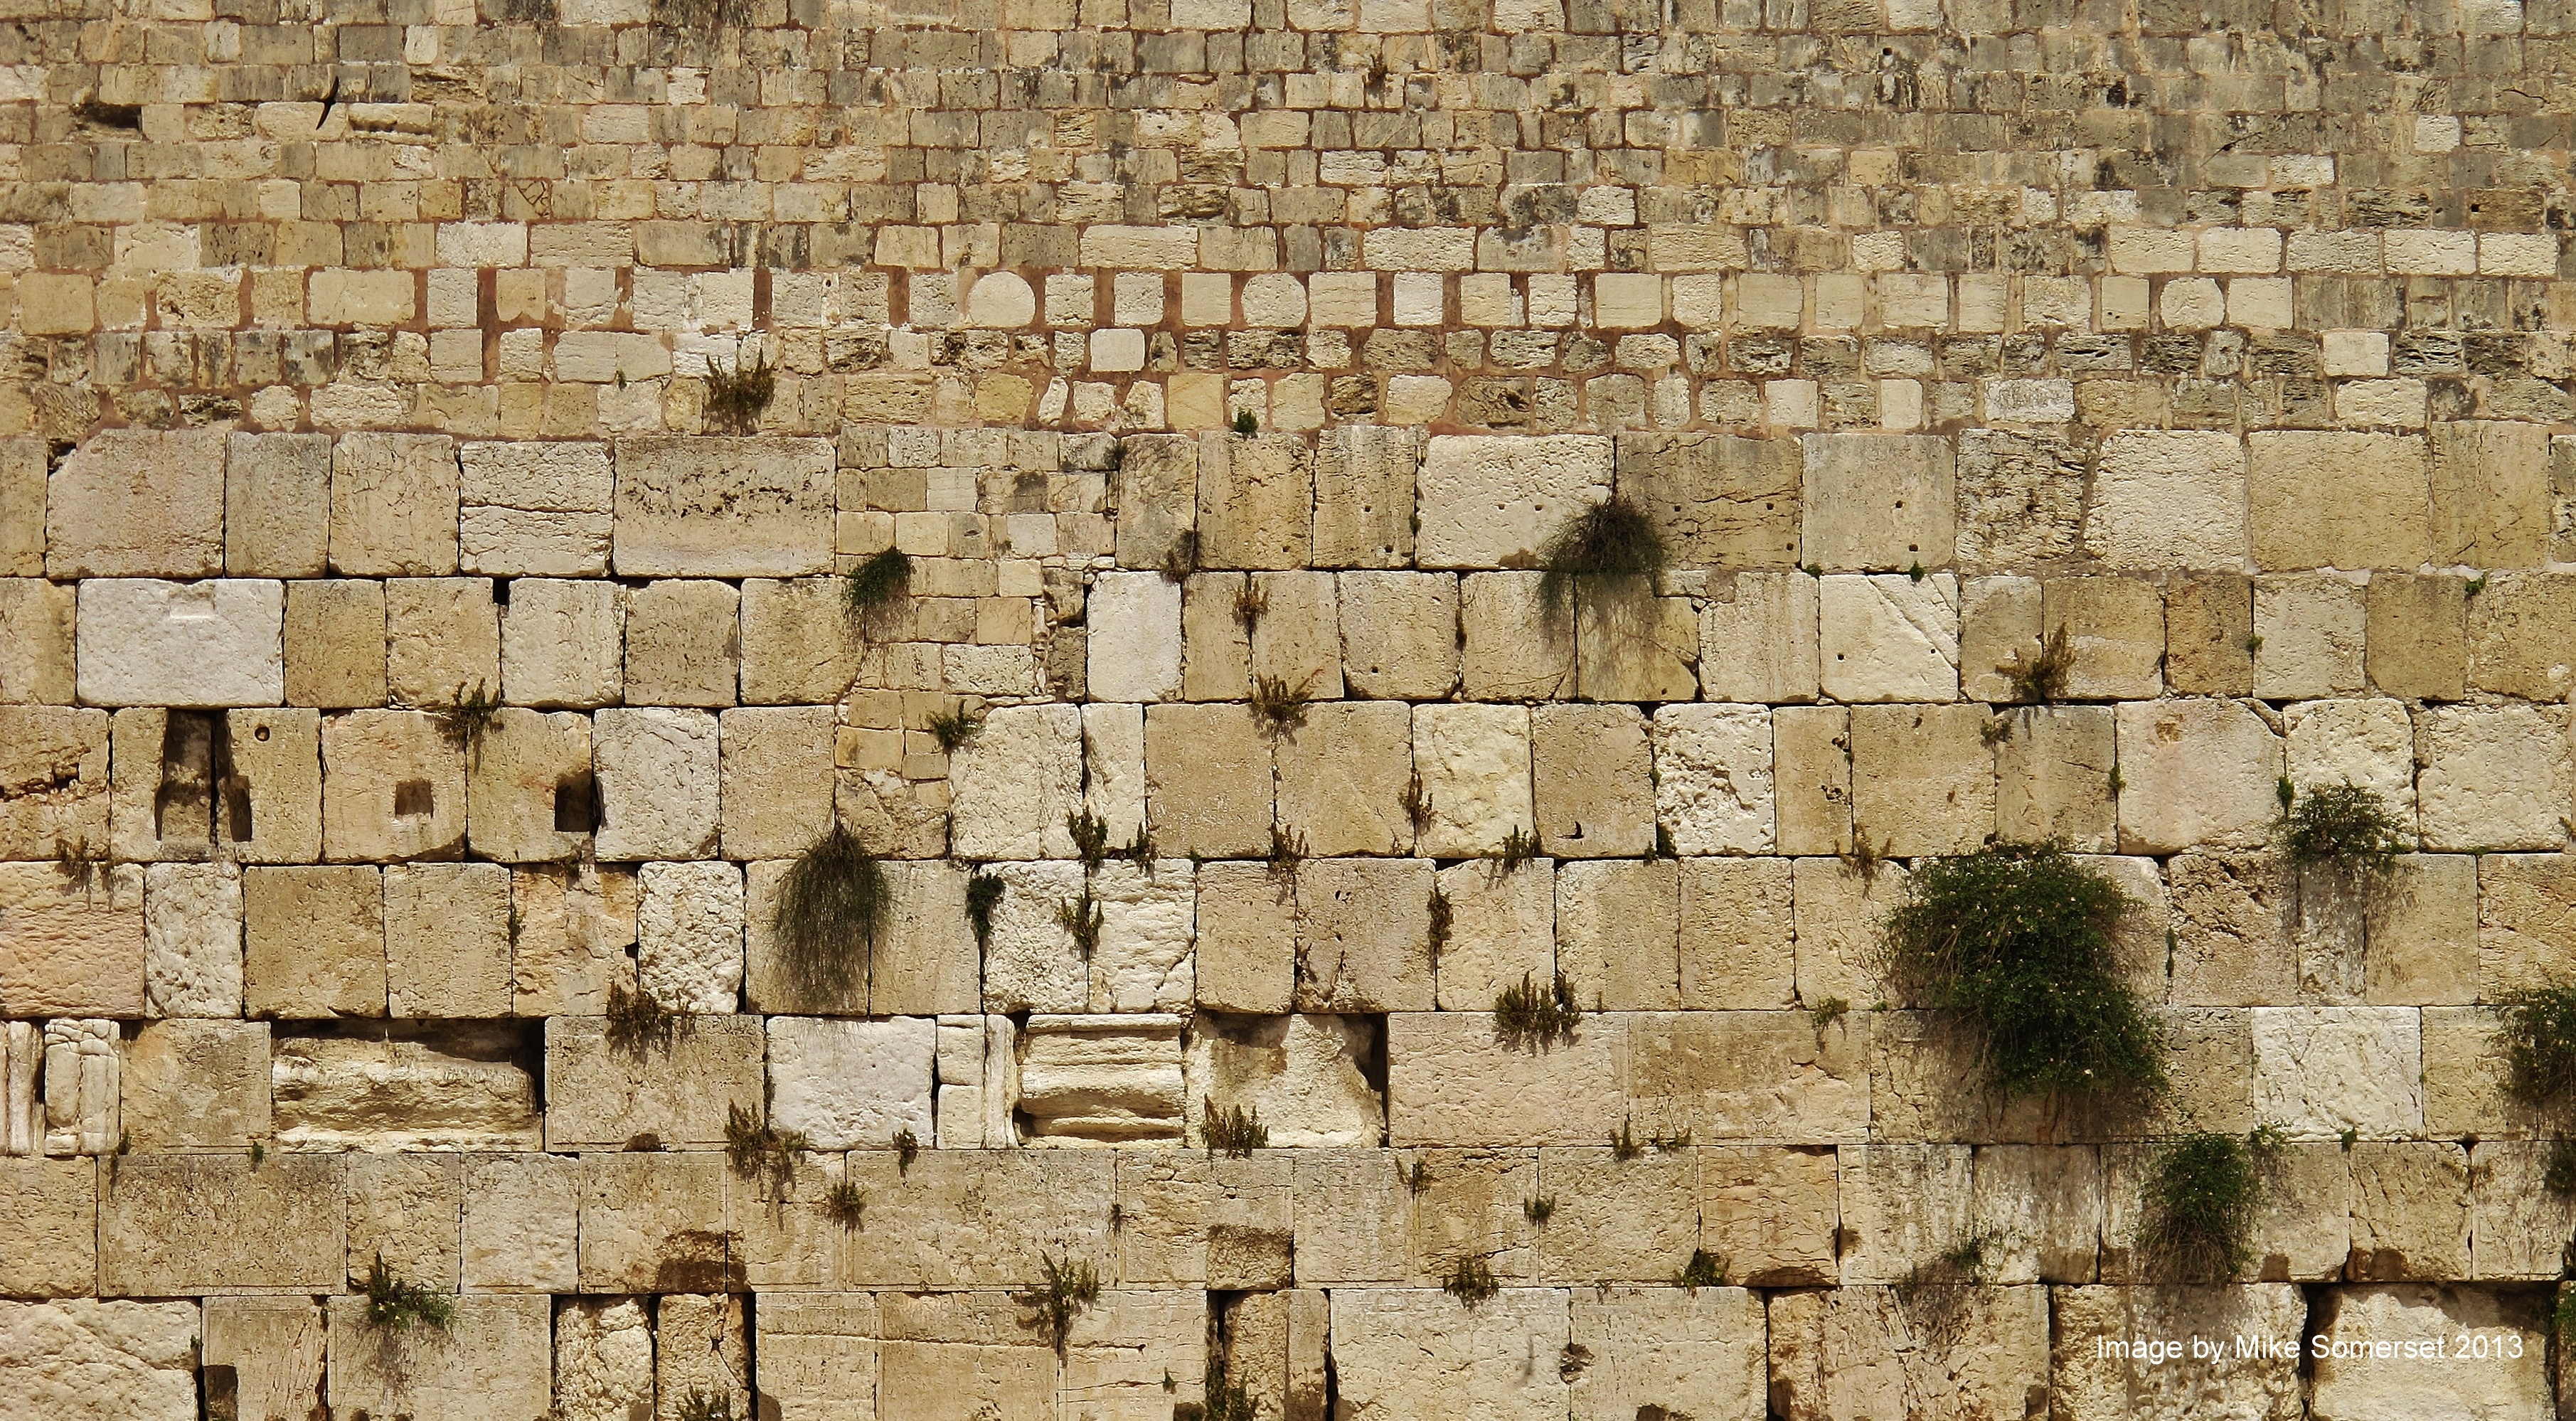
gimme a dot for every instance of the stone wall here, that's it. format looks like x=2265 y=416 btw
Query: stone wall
x=1223 y=367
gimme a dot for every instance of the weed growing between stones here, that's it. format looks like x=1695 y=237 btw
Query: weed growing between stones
x=1519 y=847
x=875 y=583
x=1963 y=1261
x=1287 y=850
x=2561 y=1176
x=1417 y=1180
x=907 y=1147
x=831 y=906
x=1250 y=605
x=736 y=398
x=1278 y=706
x=2346 y=830
x=1227 y=1399
x=1538 y=1209
x=2043 y=677
x=1140 y=851
x=1705 y=1270
x=954 y=727
x=638 y=1023
x=2017 y=943
x=464 y=721
x=844 y=1205
x=1825 y=1013
x=1245 y=422
x=760 y=1153
x=1090 y=838
x=1235 y=1133
x=2200 y=1200
x=394 y=1304
x=1571 y=1361
x=1080 y=918
x=2537 y=1036
x=1443 y=919
x=1417 y=804
x=1533 y=1017
x=1181 y=558
x=1070 y=1290
x=983 y=895
x=2562 y=1314
x=1612 y=538
x=706 y=1406
x=1623 y=1143
x=1470 y=1280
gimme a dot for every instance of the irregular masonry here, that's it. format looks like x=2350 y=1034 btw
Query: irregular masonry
x=420 y=647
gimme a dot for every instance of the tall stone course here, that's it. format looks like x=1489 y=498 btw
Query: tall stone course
x=1223 y=368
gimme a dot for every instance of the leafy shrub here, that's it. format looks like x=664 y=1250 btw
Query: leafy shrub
x=2200 y=1202
x=2561 y=1176
x=2018 y=942
x=1705 y=1270
x=2043 y=676
x=1070 y=1290
x=954 y=727
x=876 y=583
x=1529 y=1015
x=2537 y=1036
x=831 y=905
x=1612 y=538
x=1236 y=1133
x=736 y=398
x=2346 y=829
x=394 y=1304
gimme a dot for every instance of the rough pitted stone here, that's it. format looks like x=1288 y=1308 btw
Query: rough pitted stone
x=138 y=503
x=712 y=506
x=435 y=1087
x=1494 y=502
x=217 y=643
x=72 y=941
x=1016 y=784
x=490 y=1361
x=1301 y=1074
x=91 y=1361
x=850 y=1084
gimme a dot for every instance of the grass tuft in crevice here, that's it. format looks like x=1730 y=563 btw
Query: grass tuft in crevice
x=2560 y=1177
x=2346 y=830
x=1705 y=1270
x=759 y=1152
x=395 y=1304
x=1444 y=917
x=737 y=398
x=638 y=1023
x=1234 y=1133
x=2200 y=1201
x=983 y=894
x=1070 y=1289
x=2042 y=677
x=907 y=1148
x=1470 y=1280
x=707 y=1406
x=953 y=727
x=874 y=584
x=465 y=720
x=1080 y=917
x=1519 y=847
x=845 y=1206
x=1278 y=706
x=1532 y=1016
x=1612 y=538
x=831 y=905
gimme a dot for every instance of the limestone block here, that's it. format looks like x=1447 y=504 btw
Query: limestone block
x=1475 y=766
x=1757 y=637
x=1841 y=913
x=2490 y=483
x=1630 y=646
x=1999 y=632
x=980 y=1218
x=1208 y=780
x=406 y=1208
x=598 y=1098
x=137 y=503
x=2423 y=932
x=2021 y=496
x=83 y=1087
x=2233 y=919
x=393 y=787
x=2115 y=628
x=1890 y=638
x=22 y=506
x=978 y=1066
x=2309 y=632
x=182 y=1224
x=1030 y=962
x=1720 y=500
x=1447 y=1083
x=2505 y=1376
x=1216 y=649
x=1903 y=1206
x=2518 y=1226
x=1923 y=778
x=1158 y=496
x=1296 y=637
x=1276 y=1346
x=561 y=643
x=1143 y=960
x=2417 y=635
x=192 y=940
x=1364 y=479
x=1590 y=778
x=2370 y=743
x=2492 y=777
x=1017 y=784
x=683 y=643
x=1494 y=501
x=2209 y=635
x=1876 y=502
x=1134 y=621
x=2518 y=631
x=516 y=542
x=1356 y=1216
x=1616 y=1219
x=2321 y=1070
x=490 y=1363
x=1618 y=933
x=81 y=1360
x=393 y=505
x=775 y=794
x=1513 y=649
x=22 y=1111
x=447 y=940
x=37 y=621
x=2335 y=499
x=2053 y=771
x=1390 y=1343
x=165 y=804
x=521 y=1215
x=1811 y=779
x=689 y=935
x=1502 y=928
x=1342 y=776
x=850 y=1084
x=1723 y=1076
x=576 y=928
x=1772 y=1215
x=277 y=769
x=715 y=506
x=2196 y=772
x=2093 y=1381
x=277 y=504
x=657 y=777
x=2169 y=498
x=698 y=1347
x=1301 y=1074
x=1399 y=633
x=1867 y=1351
x=1101 y=1080
x=72 y=941
x=335 y=643
x=799 y=644
x=1256 y=497
x=1736 y=934
x=2410 y=1210
x=2041 y=1205
x=442 y=640
x=195 y=1085
x=264 y=1356
x=819 y=1353
x=215 y=643
x=51 y=1209
x=441 y=1086
x=603 y=1355
x=529 y=794
x=1364 y=935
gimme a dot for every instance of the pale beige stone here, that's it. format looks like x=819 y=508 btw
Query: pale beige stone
x=2195 y=772
x=2417 y=636
x=1722 y=500
x=521 y=1223
x=1757 y=637
x=1256 y=498
x=407 y=1209
x=2490 y=481
x=1363 y=940
x=1841 y=908
x=820 y=1353
x=447 y=940
x=657 y=780
x=2322 y=1070
x=1721 y=1076
x=393 y=505
x=2209 y=635
x=491 y=1361
x=82 y=1360
x=83 y=1087
x=2091 y=1380
x=1101 y=1080
x=393 y=786
x=1861 y=1351
x=561 y=643
x=699 y=1348
x=1216 y=642
x=1923 y=778
x=196 y=1085
x=1872 y=502
x=1342 y=774
x=1208 y=780
x=1811 y=780
x=277 y=504
x=2505 y=1376
x=597 y=1097
x=576 y=927
x=2518 y=630
x=36 y=637
x=192 y=929
x=1632 y=646
x=1474 y=761
x=442 y=640
x=2115 y=629
x=776 y=796
x=2518 y=1226
x=603 y=1360
x=1999 y=634
x=798 y=643
x=2234 y=915
x=1502 y=928
x=1301 y=1074
x=1448 y=1083
x=1616 y=1219
x=2309 y=631
x=1296 y=633
x=1618 y=933
x=683 y=644
x=2040 y=1206
x=1890 y=637
x=2170 y=498
x=51 y=1208
x=2335 y=499
x=213 y=643
x=1770 y=1215
x=1399 y=634
x=447 y=1086
x=2410 y=1210
x=1512 y=650
x=1737 y=941
x=1493 y=501
x=72 y=940
x=1364 y=479
x=980 y=1218
x=2053 y=777
x=1589 y=780
x=716 y=506
x=1415 y=1355
x=137 y=503
x=264 y=1357
x=1017 y=784
x=183 y=1224
x=529 y=792
x=1903 y=1207
x=2493 y=777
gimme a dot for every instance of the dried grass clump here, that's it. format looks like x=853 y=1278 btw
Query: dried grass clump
x=831 y=906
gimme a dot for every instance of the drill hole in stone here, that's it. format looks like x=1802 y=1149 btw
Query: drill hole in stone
x=414 y=797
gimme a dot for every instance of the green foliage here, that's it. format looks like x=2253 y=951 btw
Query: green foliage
x=2043 y=676
x=2346 y=829
x=1443 y=920
x=1519 y=847
x=1470 y=1280
x=1227 y=1399
x=876 y=583
x=2561 y=1177
x=1251 y=604
x=638 y=1023
x=1090 y=838
x=737 y=397
x=983 y=895
x=1070 y=1290
x=2562 y=1314
x=1827 y=1012
x=1531 y=1016
x=1705 y=1270
x=2017 y=942
x=1623 y=1143
x=1287 y=850
x=1612 y=538
x=1246 y=423
x=1140 y=850
x=1417 y=1180
x=831 y=905
x=955 y=726
x=760 y=1153
x=844 y=1205
x=907 y=1148
x=1278 y=706
x=394 y=1304
x=2200 y=1201
x=464 y=721
x=1236 y=1132
x=707 y=1406
x=2538 y=1038
x=1539 y=1208
x=1080 y=917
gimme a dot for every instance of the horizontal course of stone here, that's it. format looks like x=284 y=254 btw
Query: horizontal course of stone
x=1225 y=369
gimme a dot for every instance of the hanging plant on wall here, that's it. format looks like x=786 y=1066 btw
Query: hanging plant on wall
x=830 y=908
x=1612 y=539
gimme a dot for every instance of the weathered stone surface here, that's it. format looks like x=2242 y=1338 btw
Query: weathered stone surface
x=2505 y=1375
x=2053 y=771
x=214 y=643
x=335 y=643
x=980 y=1218
x=598 y=1097
x=1399 y=633
x=2321 y=1070
x=2518 y=626
x=1514 y=648
x=192 y=933
x=689 y=935
x=447 y=940
x=820 y=1353
x=1256 y=501
x=683 y=644
x=393 y=787
x=442 y=640
x=1364 y=935
x=137 y=503
x=1502 y=927
x=196 y=1085
x=1493 y=502
x=1300 y=1074
x=1923 y=778
x=2169 y=498
x=264 y=1357
x=1840 y=910
x=314 y=941
x=1102 y=1080
x=576 y=928
x=2090 y=1379
x=1017 y=784
x=603 y=1355
x=490 y=1361
x=1890 y=637
x=72 y=940
x=1757 y=637
x=1415 y=1354
x=2308 y=635
x=1364 y=477
x=561 y=643
x=1771 y=1215
x=1560 y=1096
x=406 y=1208
x=850 y=1084
x=2493 y=777
x=1858 y=1351
x=1694 y=1353
x=654 y=1221
x=51 y=1209
x=1142 y=961
x=2021 y=496
x=92 y=1361
x=1157 y=497
x=711 y=506
x=184 y=1224
x=54 y=781
x=1475 y=767
x=1877 y=502
x=393 y=505
x=38 y=620
x=1713 y=778
x=775 y=798
x=2410 y=1210
x=520 y=1223
x=1618 y=927
x=699 y=1348
x=2195 y=772
x=83 y=1087
x=1134 y=623
x=441 y=1087
x=657 y=777
x=1721 y=500
x=1208 y=780
x=798 y=643
x=1342 y=776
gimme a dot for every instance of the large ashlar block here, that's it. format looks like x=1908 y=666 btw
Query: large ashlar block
x=776 y=785
x=72 y=941
x=820 y=1353
x=1878 y=502
x=196 y=1085
x=1342 y=776
x=2309 y=631
x=1502 y=928
x=1134 y=641
x=22 y=1109
x=264 y=1357
x=2053 y=771
x=50 y=1207
x=977 y=1062
x=1017 y=784
x=1216 y=648
x=520 y=1227
x=1399 y=633
x=1618 y=929
x=1737 y=948
x=2021 y=496
x=1208 y=780
x=689 y=935
x=444 y=1087
x=851 y=1084
x=1720 y=500
x=1275 y=1345
x=1903 y=1206
x=407 y=1208
x=2491 y=504
x=137 y=503
x=713 y=506
x=2094 y=1381
x=924 y=959
x=1772 y=1214
x=2209 y=635
x=576 y=928
x=1923 y=778
x=1591 y=781
x=2043 y=1205
x=683 y=643
x=1631 y=645
x=393 y=505
x=699 y=1346
x=1256 y=501
x=1357 y=1220
x=447 y=940
x=2493 y=777
x=81 y=1360
x=2365 y=742
x=393 y=787
x=2234 y=922
x=1363 y=935
x=2115 y=629
x=442 y=640
x=1295 y=635
x=1364 y=478
x=214 y=643
x=37 y=625
x=2519 y=628
x=2335 y=499
x=598 y=1097
x=2166 y=499
x=335 y=643
x=186 y=1224
x=981 y=1218
x=1890 y=637
x=1158 y=483
x=653 y=1221
x=799 y=643
x=535 y=507
x=277 y=774
x=1143 y=960
x=1475 y=766
x=277 y=504
x=1619 y=1220
x=1514 y=648
x=1494 y=500
x=83 y=1087
x=603 y=1356
x=1685 y=1353
x=657 y=773
x=492 y=1362
x=2417 y=635
x=1303 y=1074
x=192 y=931
x=1388 y=1341
x=1031 y=962
x=1757 y=637
x=2518 y=1226
x=2507 y=1374
x=529 y=793
x=2410 y=1211
x=1999 y=634
x=22 y=506
x=2196 y=772
x=2526 y=923
x=1841 y=914
x=1101 y=1080
x=314 y=941
x=2319 y=1071
x=54 y=781
x=1868 y=1351
x=562 y=643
